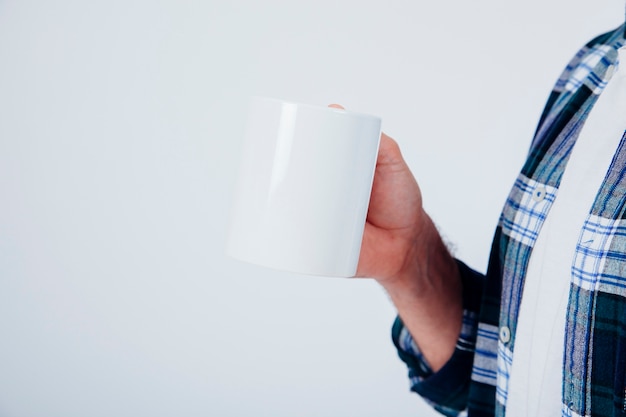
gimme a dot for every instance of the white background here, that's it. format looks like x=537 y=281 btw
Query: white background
x=120 y=133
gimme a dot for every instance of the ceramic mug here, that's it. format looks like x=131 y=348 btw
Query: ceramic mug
x=304 y=187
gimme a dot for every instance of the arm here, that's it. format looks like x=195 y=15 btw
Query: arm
x=403 y=251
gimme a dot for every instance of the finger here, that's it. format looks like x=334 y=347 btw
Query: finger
x=389 y=151
x=336 y=106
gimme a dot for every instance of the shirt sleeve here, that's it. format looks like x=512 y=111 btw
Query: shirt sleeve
x=447 y=389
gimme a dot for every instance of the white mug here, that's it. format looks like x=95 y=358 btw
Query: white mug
x=304 y=187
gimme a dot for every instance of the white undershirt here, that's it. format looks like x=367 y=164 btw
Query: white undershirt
x=535 y=386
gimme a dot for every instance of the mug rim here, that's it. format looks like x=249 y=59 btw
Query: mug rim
x=315 y=107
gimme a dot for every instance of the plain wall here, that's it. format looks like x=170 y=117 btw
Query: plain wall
x=120 y=132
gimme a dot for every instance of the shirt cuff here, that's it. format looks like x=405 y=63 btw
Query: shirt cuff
x=447 y=389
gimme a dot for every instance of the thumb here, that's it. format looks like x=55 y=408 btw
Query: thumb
x=389 y=153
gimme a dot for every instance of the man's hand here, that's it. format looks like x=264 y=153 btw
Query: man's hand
x=403 y=251
x=395 y=218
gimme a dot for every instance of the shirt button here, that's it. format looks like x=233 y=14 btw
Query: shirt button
x=621 y=59
x=505 y=334
x=609 y=72
x=539 y=194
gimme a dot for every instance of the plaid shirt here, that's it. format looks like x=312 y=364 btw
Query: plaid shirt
x=476 y=379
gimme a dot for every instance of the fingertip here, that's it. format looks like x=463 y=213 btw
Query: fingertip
x=389 y=147
x=336 y=106
x=387 y=139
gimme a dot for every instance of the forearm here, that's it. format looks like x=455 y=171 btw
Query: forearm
x=403 y=251
x=427 y=293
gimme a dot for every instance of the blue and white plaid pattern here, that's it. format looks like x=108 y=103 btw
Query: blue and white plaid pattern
x=595 y=337
x=466 y=342
x=529 y=203
x=598 y=288
x=593 y=250
x=485 y=368
x=582 y=70
x=523 y=216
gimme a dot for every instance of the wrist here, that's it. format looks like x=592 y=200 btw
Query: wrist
x=426 y=261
